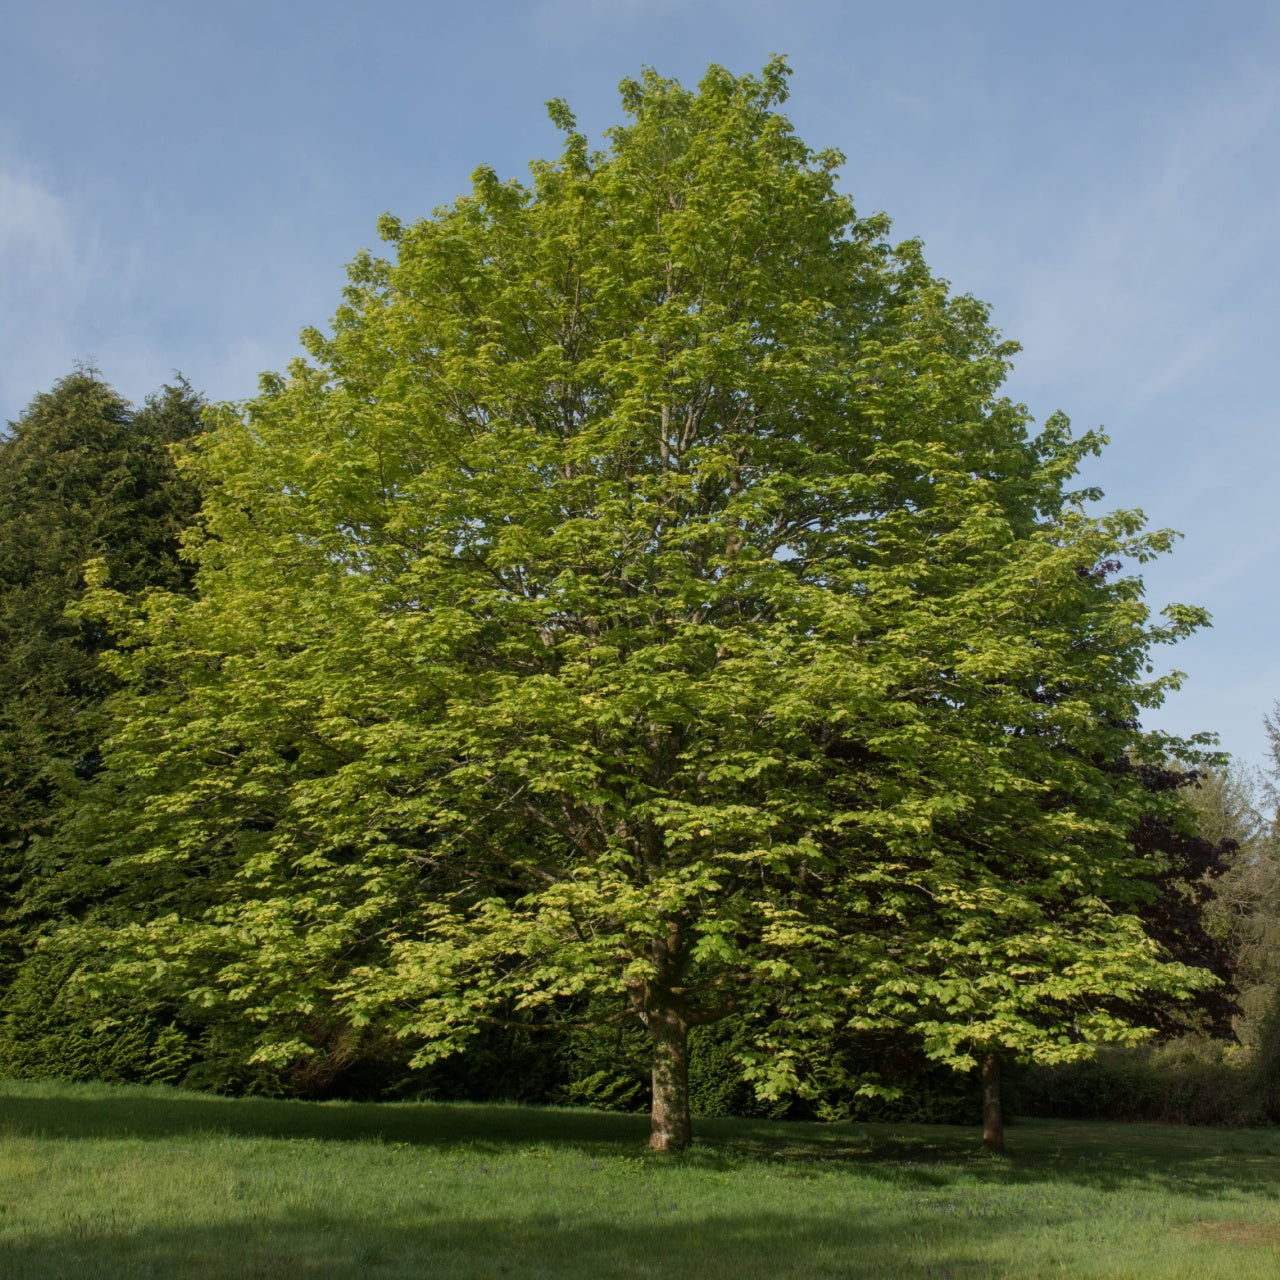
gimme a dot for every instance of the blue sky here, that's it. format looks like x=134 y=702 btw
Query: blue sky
x=181 y=185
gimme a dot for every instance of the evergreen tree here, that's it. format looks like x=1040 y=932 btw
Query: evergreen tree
x=82 y=475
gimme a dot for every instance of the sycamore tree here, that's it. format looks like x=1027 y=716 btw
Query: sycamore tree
x=644 y=605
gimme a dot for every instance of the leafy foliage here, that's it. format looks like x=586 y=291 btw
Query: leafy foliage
x=1187 y=868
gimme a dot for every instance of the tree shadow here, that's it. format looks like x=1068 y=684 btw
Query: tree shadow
x=100 y=1112
x=764 y=1247
x=1191 y=1162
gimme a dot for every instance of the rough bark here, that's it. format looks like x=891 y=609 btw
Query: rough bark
x=671 y=1125
x=992 y=1109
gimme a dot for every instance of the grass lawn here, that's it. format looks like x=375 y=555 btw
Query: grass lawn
x=101 y=1181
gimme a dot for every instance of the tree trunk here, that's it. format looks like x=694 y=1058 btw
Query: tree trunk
x=671 y=1127
x=992 y=1110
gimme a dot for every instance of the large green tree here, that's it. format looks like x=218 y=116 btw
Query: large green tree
x=644 y=605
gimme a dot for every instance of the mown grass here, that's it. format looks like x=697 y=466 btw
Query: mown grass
x=99 y=1181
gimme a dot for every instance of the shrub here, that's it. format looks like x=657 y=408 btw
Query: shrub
x=716 y=1084
x=607 y=1068
x=51 y=1028
x=1188 y=1081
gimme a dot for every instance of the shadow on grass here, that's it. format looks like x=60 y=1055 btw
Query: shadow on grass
x=100 y=1111
x=1199 y=1163
x=1105 y=1157
x=775 y=1247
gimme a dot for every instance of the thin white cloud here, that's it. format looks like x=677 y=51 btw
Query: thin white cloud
x=43 y=279
x=1124 y=300
x=35 y=228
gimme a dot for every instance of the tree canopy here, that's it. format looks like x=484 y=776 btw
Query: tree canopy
x=644 y=604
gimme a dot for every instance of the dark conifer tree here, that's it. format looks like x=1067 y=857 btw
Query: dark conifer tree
x=82 y=475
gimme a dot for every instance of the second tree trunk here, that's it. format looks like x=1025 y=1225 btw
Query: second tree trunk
x=992 y=1109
